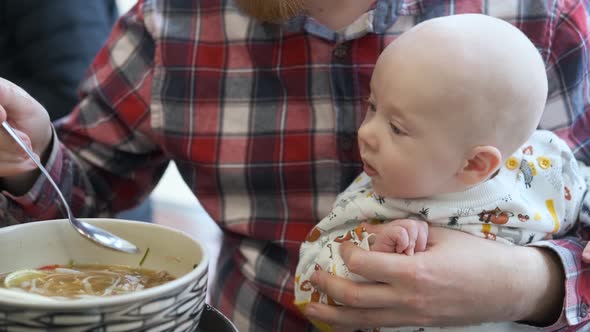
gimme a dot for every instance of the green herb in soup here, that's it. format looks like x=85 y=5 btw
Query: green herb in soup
x=83 y=280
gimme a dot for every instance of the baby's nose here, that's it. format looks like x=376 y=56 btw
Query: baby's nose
x=367 y=137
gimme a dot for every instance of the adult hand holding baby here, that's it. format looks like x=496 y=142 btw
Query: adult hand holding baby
x=32 y=124
x=459 y=280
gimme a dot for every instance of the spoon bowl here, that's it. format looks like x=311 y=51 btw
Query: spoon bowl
x=93 y=233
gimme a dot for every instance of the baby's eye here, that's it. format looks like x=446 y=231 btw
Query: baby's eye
x=372 y=107
x=395 y=129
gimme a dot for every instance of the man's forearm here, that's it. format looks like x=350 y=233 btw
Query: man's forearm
x=543 y=304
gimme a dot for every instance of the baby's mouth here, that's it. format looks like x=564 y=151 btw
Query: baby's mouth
x=369 y=170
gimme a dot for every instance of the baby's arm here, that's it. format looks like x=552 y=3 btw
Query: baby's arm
x=399 y=236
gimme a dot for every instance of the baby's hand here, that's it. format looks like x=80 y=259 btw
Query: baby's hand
x=399 y=236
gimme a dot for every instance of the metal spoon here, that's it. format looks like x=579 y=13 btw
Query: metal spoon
x=93 y=233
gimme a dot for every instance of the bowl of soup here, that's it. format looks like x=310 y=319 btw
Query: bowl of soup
x=63 y=282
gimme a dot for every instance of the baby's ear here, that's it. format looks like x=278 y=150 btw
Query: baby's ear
x=482 y=162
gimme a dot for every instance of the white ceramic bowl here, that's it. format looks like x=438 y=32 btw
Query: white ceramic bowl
x=173 y=306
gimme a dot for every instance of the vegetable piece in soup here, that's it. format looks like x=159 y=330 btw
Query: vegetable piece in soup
x=83 y=280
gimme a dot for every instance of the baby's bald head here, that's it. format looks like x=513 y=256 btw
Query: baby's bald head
x=477 y=78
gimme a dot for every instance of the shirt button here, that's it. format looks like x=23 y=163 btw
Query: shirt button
x=340 y=50
x=583 y=309
x=544 y=162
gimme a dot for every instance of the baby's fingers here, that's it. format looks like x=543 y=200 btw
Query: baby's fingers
x=391 y=239
x=412 y=231
x=418 y=233
x=422 y=239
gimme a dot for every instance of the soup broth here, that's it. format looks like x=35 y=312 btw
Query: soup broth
x=84 y=280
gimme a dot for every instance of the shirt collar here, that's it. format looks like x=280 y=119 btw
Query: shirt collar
x=410 y=7
x=383 y=13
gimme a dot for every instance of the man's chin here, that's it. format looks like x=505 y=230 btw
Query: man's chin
x=271 y=11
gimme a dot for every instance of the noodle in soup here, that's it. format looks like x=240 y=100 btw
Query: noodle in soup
x=83 y=280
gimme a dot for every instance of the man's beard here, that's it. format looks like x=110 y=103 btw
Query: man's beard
x=271 y=11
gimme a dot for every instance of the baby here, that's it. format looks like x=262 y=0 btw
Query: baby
x=450 y=140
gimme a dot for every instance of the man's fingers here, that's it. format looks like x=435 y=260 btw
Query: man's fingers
x=3 y=115
x=376 y=266
x=13 y=168
x=11 y=147
x=351 y=293
x=586 y=254
x=343 y=318
x=14 y=97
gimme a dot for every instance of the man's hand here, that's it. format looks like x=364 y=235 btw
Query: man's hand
x=399 y=236
x=32 y=125
x=586 y=253
x=459 y=280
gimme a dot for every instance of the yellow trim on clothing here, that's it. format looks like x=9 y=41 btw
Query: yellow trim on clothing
x=551 y=208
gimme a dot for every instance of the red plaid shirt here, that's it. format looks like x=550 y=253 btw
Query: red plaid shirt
x=261 y=121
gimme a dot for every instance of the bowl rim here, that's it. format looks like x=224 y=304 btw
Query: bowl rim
x=117 y=300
